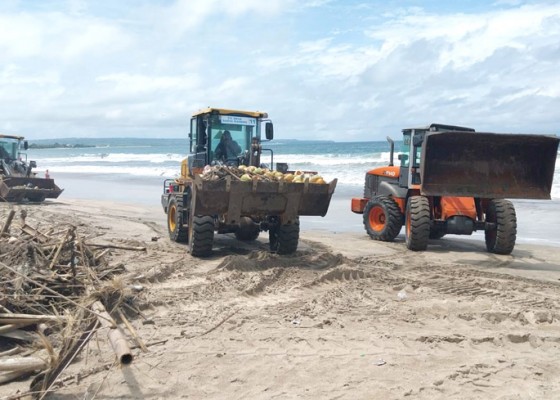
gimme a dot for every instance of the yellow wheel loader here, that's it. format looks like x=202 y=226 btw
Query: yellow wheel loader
x=197 y=208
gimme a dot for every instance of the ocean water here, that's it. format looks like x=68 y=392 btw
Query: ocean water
x=157 y=159
x=133 y=170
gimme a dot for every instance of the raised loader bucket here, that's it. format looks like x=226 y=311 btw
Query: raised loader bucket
x=236 y=198
x=488 y=165
x=16 y=189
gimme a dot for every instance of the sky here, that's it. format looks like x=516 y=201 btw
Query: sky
x=331 y=70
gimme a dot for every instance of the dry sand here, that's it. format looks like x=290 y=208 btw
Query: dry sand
x=344 y=318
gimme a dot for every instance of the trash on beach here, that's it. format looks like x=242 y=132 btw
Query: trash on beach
x=402 y=295
x=380 y=362
x=56 y=292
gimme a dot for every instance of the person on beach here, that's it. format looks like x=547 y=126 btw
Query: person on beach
x=228 y=148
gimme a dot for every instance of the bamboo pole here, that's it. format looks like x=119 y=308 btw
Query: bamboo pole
x=13 y=327
x=6 y=377
x=25 y=317
x=22 y=364
x=116 y=338
x=132 y=331
x=116 y=246
x=8 y=222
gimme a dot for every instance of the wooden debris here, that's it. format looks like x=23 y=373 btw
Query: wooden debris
x=8 y=222
x=116 y=338
x=56 y=288
x=117 y=246
x=21 y=364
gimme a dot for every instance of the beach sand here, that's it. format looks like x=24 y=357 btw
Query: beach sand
x=344 y=318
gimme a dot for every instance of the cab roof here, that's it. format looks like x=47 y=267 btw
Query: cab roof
x=11 y=137
x=223 y=111
x=441 y=127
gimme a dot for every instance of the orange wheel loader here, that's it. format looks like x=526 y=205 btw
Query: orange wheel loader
x=453 y=180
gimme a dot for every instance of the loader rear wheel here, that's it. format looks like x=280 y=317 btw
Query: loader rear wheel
x=177 y=231
x=284 y=238
x=500 y=239
x=382 y=218
x=202 y=236
x=417 y=230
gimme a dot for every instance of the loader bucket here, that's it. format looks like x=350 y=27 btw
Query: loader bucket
x=488 y=165
x=235 y=199
x=16 y=189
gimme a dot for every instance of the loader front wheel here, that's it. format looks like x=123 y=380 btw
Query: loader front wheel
x=382 y=218
x=500 y=238
x=177 y=231
x=284 y=238
x=201 y=236
x=417 y=230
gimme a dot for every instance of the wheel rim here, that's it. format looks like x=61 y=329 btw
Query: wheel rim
x=377 y=219
x=171 y=218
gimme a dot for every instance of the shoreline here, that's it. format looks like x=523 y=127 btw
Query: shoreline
x=538 y=221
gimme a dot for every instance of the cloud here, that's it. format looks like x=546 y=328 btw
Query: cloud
x=322 y=69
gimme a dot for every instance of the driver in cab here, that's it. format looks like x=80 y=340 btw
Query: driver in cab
x=228 y=148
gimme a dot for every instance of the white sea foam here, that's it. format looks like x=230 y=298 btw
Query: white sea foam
x=349 y=169
x=111 y=169
x=114 y=158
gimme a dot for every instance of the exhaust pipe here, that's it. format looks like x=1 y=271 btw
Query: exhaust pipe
x=392 y=151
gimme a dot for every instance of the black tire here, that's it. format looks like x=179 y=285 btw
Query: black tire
x=176 y=228
x=501 y=238
x=417 y=230
x=284 y=238
x=202 y=236
x=247 y=232
x=383 y=219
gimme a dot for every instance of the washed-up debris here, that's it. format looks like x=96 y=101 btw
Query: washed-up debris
x=248 y=174
x=57 y=291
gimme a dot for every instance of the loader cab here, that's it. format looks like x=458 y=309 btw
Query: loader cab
x=411 y=154
x=225 y=136
x=9 y=147
x=410 y=157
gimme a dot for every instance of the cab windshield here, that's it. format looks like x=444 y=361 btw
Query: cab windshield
x=241 y=130
x=8 y=148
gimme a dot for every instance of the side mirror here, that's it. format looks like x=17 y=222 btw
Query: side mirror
x=402 y=157
x=269 y=130
x=32 y=164
x=25 y=145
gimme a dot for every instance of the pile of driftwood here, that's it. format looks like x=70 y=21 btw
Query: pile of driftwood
x=57 y=289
